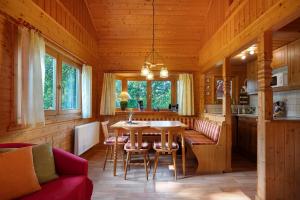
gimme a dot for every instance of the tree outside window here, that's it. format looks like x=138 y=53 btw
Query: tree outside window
x=161 y=94
x=138 y=91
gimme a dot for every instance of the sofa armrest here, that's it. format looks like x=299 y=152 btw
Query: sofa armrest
x=69 y=164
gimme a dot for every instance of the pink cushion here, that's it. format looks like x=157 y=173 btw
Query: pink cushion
x=157 y=145
x=111 y=140
x=145 y=145
x=66 y=187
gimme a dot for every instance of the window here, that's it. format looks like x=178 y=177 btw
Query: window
x=50 y=83
x=161 y=94
x=118 y=92
x=70 y=87
x=137 y=91
x=154 y=94
x=62 y=84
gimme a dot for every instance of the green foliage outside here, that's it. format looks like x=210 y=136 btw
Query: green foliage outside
x=161 y=94
x=118 y=92
x=50 y=83
x=70 y=87
x=137 y=91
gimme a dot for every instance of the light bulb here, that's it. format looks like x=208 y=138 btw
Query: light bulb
x=243 y=57
x=150 y=75
x=163 y=72
x=251 y=52
x=145 y=71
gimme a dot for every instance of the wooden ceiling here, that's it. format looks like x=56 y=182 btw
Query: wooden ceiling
x=124 y=30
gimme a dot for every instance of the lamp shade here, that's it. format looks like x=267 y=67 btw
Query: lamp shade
x=124 y=96
x=163 y=73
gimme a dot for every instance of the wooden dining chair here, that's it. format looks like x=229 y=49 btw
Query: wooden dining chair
x=136 y=147
x=168 y=146
x=109 y=141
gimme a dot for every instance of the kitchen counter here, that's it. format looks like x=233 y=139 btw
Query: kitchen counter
x=246 y=115
x=287 y=118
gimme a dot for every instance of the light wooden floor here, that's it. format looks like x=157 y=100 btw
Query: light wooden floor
x=240 y=185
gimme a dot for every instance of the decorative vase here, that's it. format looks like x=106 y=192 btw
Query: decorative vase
x=123 y=105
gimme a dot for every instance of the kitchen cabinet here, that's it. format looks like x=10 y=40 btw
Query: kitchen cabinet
x=280 y=57
x=247 y=137
x=294 y=63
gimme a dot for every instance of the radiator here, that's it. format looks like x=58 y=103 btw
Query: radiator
x=86 y=136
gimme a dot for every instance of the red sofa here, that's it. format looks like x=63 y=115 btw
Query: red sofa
x=72 y=184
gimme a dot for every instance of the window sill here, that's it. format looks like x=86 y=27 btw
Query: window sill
x=147 y=112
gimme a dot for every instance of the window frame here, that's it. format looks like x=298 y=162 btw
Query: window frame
x=61 y=58
x=172 y=79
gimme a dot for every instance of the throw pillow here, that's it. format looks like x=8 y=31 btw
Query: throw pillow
x=44 y=164
x=17 y=175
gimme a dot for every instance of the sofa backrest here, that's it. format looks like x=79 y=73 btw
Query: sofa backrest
x=208 y=128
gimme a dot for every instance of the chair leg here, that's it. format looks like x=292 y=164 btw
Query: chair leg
x=123 y=158
x=155 y=163
x=127 y=162
x=111 y=151
x=146 y=165
x=106 y=153
x=174 y=163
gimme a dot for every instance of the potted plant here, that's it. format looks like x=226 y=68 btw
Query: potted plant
x=124 y=96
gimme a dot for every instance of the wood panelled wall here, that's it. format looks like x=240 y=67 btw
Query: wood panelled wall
x=243 y=25
x=58 y=133
x=62 y=31
x=74 y=17
x=282 y=148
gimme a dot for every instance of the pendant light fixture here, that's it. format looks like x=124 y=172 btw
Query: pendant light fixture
x=152 y=57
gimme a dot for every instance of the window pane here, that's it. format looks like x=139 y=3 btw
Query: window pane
x=161 y=94
x=70 y=87
x=50 y=83
x=118 y=92
x=137 y=91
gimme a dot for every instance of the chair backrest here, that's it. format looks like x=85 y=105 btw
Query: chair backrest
x=134 y=139
x=172 y=131
x=105 y=129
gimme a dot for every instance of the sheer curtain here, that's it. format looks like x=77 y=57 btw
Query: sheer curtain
x=185 y=94
x=29 y=80
x=108 y=98
x=86 y=82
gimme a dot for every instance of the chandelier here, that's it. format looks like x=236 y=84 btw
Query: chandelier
x=153 y=59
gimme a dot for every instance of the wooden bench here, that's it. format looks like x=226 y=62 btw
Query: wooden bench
x=207 y=141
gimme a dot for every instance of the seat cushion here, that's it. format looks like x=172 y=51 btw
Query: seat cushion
x=196 y=138
x=64 y=188
x=145 y=145
x=111 y=140
x=157 y=145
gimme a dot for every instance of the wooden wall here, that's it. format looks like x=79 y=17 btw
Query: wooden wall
x=243 y=25
x=282 y=148
x=69 y=35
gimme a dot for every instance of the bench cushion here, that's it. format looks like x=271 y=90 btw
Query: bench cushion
x=208 y=128
x=196 y=138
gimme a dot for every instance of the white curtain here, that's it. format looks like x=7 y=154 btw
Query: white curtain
x=86 y=82
x=108 y=98
x=29 y=80
x=185 y=94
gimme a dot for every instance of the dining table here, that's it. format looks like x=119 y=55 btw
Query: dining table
x=120 y=126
